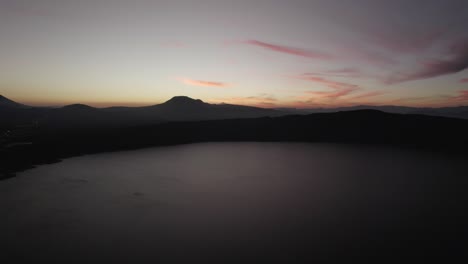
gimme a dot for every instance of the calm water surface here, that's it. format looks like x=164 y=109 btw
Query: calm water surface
x=237 y=202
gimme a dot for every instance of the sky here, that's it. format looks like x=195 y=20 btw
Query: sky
x=267 y=53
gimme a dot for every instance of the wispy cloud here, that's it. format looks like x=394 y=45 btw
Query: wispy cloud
x=457 y=62
x=329 y=83
x=203 y=83
x=290 y=50
x=342 y=52
x=440 y=100
x=462 y=96
x=414 y=101
x=263 y=97
x=368 y=94
x=261 y=100
x=459 y=98
x=339 y=89
x=349 y=72
x=332 y=94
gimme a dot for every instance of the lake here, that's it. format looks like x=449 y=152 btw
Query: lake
x=239 y=202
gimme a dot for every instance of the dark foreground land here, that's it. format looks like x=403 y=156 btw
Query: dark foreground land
x=394 y=215
x=49 y=144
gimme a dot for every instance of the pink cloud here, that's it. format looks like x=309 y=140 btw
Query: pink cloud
x=332 y=84
x=263 y=97
x=368 y=94
x=261 y=100
x=290 y=50
x=332 y=94
x=343 y=72
x=457 y=62
x=462 y=96
x=342 y=52
x=339 y=89
x=203 y=83
x=348 y=70
x=465 y=80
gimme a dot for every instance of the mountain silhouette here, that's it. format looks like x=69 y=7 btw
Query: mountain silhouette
x=181 y=101
x=178 y=108
x=183 y=108
x=5 y=102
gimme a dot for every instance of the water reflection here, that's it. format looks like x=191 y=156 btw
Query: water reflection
x=236 y=202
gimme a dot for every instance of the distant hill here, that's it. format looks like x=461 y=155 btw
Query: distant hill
x=456 y=112
x=182 y=108
x=179 y=108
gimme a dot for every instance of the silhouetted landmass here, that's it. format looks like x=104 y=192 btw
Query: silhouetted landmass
x=455 y=112
x=179 y=108
x=47 y=143
x=5 y=102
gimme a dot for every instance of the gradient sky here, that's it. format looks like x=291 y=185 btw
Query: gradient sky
x=296 y=53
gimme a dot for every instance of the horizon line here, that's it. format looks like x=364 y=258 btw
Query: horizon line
x=130 y=104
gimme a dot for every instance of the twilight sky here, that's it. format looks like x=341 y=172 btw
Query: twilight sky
x=269 y=53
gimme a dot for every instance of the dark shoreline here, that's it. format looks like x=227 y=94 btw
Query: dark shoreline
x=368 y=127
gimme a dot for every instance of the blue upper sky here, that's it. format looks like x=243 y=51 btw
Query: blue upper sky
x=299 y=53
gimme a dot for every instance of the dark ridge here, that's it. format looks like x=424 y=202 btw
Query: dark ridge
x=80 y=116
x=78 y=107
x=5 y=102
x=456 y=111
